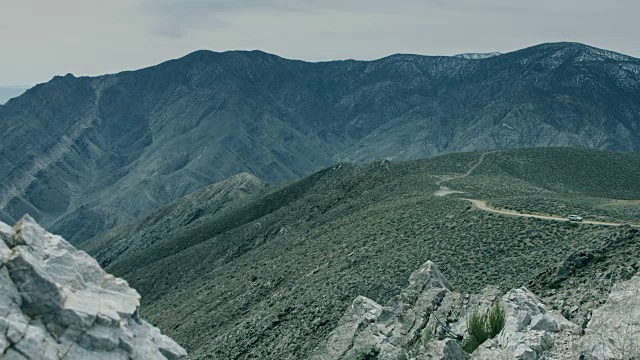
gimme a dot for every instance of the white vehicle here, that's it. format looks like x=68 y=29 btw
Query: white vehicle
x=574 y=218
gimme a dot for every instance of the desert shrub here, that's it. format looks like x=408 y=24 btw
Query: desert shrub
x=496 y=318
x=484 y=326
x=427 y=336
x=367 y=353
x=476 y=325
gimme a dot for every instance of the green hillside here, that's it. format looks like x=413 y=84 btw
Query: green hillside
x=575 y=170
x=267 y=276
x=598 y=185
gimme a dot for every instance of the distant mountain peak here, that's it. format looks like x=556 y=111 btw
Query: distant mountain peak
x=477 y=56
x=581 y=52
x=10 y=92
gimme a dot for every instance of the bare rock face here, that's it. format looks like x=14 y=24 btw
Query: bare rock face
x=428 y=320
x=529 y=331
x=56 y=302
x=369 y=330
x=614 y=329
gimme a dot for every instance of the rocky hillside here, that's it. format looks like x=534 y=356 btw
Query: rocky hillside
x=585 y=278
x=270 y=276
x=94 y=153
x=429 y=320
x=57 y=303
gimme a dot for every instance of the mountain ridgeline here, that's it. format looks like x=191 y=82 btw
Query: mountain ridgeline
x=92 y=153
x=7 y=93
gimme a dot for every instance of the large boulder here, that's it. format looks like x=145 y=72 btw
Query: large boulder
x=614 y=329
x=56 y=302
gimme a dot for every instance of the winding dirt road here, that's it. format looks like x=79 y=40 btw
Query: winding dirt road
x=482 y=205
x=469 y=171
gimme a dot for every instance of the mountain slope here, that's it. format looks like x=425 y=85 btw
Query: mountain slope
x=99 y=152
x=193 y=208
x=270 y=276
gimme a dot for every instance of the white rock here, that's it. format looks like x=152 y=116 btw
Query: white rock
x=447 y=349
x=37 y=344
x=543 y=322
x=528 y=330
x=389 y=330
x=523 y=352
x=56 y=302
x=614 y=329
x=426 y=319
x=6 y=234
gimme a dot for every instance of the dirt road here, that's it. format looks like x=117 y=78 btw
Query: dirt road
x=444 y=191
x=482 y=205
x=460 y=176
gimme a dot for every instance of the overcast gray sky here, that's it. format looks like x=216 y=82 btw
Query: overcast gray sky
x=43 y=38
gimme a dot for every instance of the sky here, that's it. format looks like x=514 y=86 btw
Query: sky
x=42 y=38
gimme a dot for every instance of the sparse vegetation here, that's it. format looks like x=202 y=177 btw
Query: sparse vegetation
x=585 y=278
x=427 y=336
x=495 y=319
x=482 y=327
x=370 y=353
x=285 y=264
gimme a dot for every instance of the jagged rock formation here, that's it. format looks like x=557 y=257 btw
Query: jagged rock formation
x=583 y=281
x=530 y=331
x=388 y=332
x=429 y=321
x=56 y=302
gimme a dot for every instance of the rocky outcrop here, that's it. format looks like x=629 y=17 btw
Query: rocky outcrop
x=614 y=329
x=56 y=302
x=400 y=328
x=429 y=321
x=529 y=332
x=586 y=278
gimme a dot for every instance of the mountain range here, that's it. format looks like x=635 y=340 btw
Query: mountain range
x=85 y=154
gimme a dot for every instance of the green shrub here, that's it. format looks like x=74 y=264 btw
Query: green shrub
x=427 y=336
x=367 y=353
x=483 y=327
x=495 y=320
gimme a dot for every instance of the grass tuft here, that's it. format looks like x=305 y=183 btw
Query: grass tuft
x=482 y=327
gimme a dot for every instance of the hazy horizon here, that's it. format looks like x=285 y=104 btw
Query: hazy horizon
x=44 y=39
